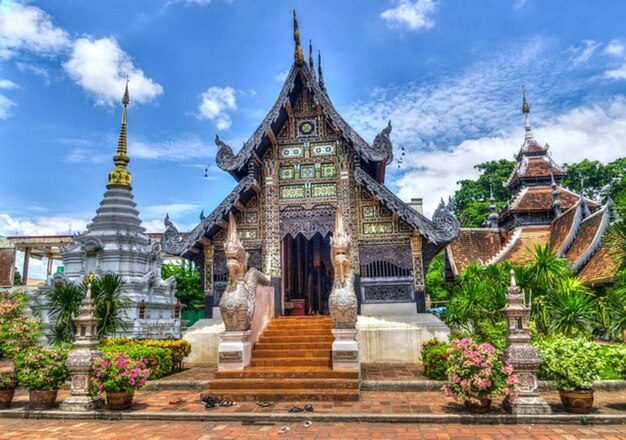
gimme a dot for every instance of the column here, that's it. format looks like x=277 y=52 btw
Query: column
x=25 y=267
x=418 y=273
x=346 y=200
x=271 y=240
x=49 y=266
x=209 y=253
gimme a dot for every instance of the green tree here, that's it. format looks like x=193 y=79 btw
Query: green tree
x=436 y=286
x=17 y=278
x=471 y=200
x=616 y=297
x=596 y=178
x=189 y=288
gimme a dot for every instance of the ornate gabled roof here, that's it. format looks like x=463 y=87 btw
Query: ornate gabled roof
x=301 y=75
x=538 y=167
x=601 y=266
x=174 y=244
x=588 y=238
x=443 y=227
x=539 y=198
x=521 y=245
x=563 y=230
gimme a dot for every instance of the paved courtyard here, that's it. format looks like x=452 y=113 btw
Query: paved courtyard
x=67 y=429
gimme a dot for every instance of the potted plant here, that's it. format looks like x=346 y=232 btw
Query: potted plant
x=118 y=376
x=7 y=387
x=42 y=371
x=477 y=375
x=574 y=364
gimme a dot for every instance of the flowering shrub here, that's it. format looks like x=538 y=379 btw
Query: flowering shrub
x=42 y=368
x=574 y=364
x=476 y=372
x=434 y=354
x=17 y=332
x=158 y=360
x=7 y=380
x=116 y=373
x=178 y=348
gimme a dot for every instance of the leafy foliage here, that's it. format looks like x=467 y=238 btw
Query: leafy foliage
x=177 y=348
x=189 y=288
x=596 y=178
x=574 y=364
x=7 y=380
x=434 y=355
x=158 y=360
x=572 y=309
x=436 y=286
x=471 y=200
x=42 y=368
x=17 y=278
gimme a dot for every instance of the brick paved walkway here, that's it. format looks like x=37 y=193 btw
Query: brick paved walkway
x=69 y=429
x=372 y=402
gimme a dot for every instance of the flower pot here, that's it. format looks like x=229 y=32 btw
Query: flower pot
x=579 y=401
x=6 y=396
x=42 y=399
x=479 y=408
x=121 y=400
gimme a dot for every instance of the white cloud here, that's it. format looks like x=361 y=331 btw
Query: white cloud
x=582 y=54
x=8 y=84
x=101 y=66
x=26 y=27
x=282 y=76
x=44 y=225
x=619 y=73
x=413 y=15
x=595 y=132
x=216 y=101
x=615 y=48
x=178 y=149
x=5 y=106
x=32 y=68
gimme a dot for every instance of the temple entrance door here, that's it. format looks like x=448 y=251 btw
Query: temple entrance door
x=307 y=274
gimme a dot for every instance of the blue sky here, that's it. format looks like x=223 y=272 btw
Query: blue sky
x=448 y=73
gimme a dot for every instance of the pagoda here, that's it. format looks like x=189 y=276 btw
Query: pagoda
x=116 y=243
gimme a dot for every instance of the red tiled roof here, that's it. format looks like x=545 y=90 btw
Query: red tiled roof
x=539 y=198
x=601 y=267
x=561 y=229
x=473 y=246
x=585 y=236
x=522 y=247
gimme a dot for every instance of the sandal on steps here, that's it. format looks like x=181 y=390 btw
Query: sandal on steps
x=284 y=430
x=295 y=409
x=308 y=407
x=308 y=423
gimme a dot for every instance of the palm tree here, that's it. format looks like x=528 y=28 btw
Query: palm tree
x=110 y=304
x=572 y=309
x=64 y=303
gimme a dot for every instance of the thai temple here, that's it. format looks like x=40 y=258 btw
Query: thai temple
x=116 y=243
x=302 y=164
x=539 y=212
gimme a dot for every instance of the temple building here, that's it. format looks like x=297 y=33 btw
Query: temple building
x=540 y=211
x=302 y=163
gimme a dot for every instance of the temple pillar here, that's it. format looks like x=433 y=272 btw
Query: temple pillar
x=346 y=200
x=25 y=266
x=209 y=258
x=49 y=266
x=418 y=274
x=271 y=239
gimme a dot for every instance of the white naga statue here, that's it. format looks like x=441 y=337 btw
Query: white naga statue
x=238 y=299
x=342 y=300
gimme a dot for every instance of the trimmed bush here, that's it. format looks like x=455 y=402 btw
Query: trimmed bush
x=158 y=360
x=435 y=359
x=178 y=348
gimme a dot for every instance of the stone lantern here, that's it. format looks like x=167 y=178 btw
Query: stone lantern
x=523 y=357
x=81 y=358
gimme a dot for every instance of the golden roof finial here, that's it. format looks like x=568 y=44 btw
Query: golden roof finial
x=298 y=56
x=120 y=176
x=525 y=106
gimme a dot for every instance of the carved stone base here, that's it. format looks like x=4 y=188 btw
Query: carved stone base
x=346 y=355
x=234 y=351
x=82 y=403
x=524 y=405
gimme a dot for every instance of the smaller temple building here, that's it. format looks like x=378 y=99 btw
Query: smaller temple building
x=540 y=212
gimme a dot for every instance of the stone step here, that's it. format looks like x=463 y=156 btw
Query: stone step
x=293 y=395
x=284 y=384
x=299 y=353
x=291 y=362
x=286 y=373
x=288 y=346
x=269 y=333
x=296 y=339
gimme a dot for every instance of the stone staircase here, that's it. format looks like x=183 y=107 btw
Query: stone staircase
x=290 y=362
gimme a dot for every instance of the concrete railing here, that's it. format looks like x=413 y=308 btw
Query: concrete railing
x=263 y=311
